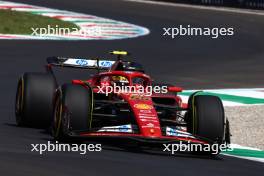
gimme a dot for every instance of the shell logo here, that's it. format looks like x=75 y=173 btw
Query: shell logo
x=143 y=106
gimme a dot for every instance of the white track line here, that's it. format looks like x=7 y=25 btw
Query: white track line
x=212 y=8
x=244 y=157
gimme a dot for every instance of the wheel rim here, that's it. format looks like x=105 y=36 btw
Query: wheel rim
x=57 y=117
x=19 y=102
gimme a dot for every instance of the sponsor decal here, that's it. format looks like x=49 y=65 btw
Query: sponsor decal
x=171 y=132
x=139 y=97
x=143 y=106
x=128 y=72
x=147 y=117
x=146 y=126
x=149 y=120
x=145 y=111
x=106 y=64
x=175 y=132
x=88 y=62
x=82 y=62
x=150 y=125
x=122 y=128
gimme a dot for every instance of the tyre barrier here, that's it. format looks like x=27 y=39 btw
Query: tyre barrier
x=250 y=4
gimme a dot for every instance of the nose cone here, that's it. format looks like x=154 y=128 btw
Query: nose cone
x=147 y=118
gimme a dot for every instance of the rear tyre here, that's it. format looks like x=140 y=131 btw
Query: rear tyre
x=72 y=112
x=206 y=118
x=34 y=100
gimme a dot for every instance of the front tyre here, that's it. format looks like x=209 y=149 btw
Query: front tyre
x=73 y=111
x=206 y=118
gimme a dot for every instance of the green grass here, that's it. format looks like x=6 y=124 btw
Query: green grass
x=14 y=22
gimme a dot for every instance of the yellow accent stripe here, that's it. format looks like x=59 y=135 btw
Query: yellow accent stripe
x=59 y=123
x=22 y=93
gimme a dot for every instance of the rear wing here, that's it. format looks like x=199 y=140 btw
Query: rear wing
x=98 y=64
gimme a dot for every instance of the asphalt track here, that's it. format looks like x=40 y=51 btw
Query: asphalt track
x=189 y=62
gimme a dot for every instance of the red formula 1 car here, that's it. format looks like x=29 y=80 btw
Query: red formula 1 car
x=93 y=108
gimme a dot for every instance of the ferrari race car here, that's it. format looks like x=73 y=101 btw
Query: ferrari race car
x=90 y=108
